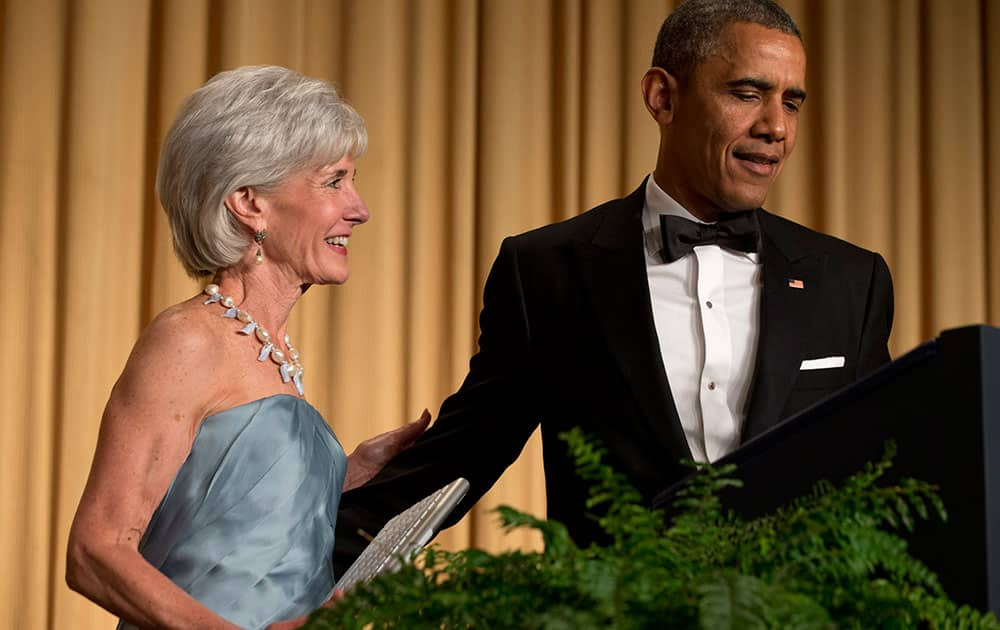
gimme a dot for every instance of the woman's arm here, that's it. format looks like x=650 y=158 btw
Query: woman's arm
x=170 y=381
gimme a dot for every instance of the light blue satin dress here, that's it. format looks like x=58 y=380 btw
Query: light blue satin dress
x=247 y=525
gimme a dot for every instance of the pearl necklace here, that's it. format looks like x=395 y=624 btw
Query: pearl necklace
x=288 y=366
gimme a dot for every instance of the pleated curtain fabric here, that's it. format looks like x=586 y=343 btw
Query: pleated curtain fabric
x=486 y=118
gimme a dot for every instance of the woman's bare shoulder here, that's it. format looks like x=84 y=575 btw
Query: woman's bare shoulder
x=182 y=352
x=189 y=325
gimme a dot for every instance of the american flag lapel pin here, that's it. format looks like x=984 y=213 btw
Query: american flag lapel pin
x=795 y=283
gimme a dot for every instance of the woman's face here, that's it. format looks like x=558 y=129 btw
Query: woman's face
x=309 y=220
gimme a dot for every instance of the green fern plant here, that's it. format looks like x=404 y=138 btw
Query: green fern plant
x=830 y=559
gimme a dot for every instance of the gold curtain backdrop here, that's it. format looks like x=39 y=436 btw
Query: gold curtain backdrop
x=486 y=118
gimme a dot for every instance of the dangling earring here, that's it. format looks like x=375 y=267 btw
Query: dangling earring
x=259 y=237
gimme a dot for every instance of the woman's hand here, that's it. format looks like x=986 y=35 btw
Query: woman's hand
x=372 y=454
x=292 y=624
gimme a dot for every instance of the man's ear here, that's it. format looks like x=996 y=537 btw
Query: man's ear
x=659 y=92
x=244 y=204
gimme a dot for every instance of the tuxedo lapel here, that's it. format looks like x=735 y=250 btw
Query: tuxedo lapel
x=791 y=280
x=613 y=268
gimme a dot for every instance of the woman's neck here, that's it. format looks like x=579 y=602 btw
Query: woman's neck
x=267 y=297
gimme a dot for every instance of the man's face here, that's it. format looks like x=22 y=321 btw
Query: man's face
x=735 y=121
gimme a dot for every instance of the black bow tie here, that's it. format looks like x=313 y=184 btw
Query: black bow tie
x=737 y=231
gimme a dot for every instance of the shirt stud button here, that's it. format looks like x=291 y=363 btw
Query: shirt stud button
x=711 y=385
x=708 y=304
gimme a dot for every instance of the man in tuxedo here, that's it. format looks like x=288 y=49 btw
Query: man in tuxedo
x=676 y=323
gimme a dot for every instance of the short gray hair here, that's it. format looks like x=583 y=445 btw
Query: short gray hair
x=691 y=33
x=251 y=126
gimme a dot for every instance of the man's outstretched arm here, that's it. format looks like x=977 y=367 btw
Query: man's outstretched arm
x=479 y=432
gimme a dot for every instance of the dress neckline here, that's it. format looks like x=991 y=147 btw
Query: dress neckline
x=262 y=399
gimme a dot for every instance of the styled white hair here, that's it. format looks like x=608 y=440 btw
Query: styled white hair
x=251 y=126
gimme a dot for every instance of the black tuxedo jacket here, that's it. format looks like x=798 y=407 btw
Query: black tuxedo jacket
x=567 y=339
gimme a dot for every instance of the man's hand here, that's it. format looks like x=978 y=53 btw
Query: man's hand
x=372 y=454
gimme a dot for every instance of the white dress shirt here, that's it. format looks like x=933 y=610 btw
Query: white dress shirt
x=706 y=309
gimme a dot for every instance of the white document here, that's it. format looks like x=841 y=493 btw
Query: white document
x=404 y=535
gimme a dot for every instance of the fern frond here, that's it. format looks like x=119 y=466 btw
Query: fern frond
x=830 y=559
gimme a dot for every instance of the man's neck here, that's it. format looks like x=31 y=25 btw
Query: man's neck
x=666 y=180
x=659 y=201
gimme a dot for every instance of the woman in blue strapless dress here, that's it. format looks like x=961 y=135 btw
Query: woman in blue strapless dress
x=212 y=499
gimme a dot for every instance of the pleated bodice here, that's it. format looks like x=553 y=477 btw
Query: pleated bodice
x=247 y=526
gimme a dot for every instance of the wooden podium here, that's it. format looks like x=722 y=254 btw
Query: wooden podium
x=940 y=403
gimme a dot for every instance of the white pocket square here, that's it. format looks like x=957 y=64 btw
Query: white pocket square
x=822 y=364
